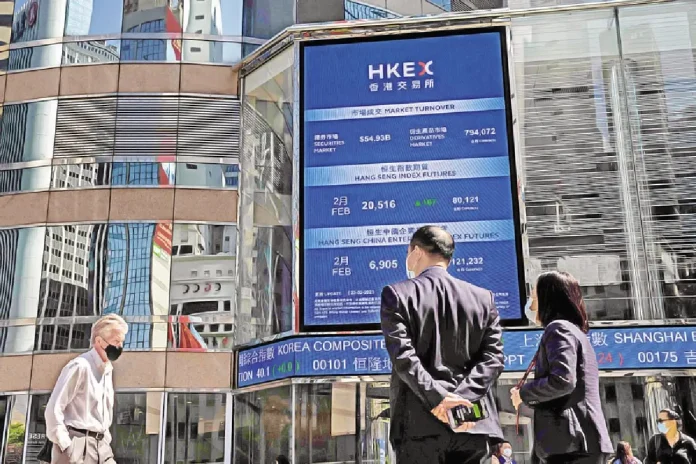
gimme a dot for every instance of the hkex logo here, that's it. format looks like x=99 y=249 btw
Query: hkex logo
x=399 y=70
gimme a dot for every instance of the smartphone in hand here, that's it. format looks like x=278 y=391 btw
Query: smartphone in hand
x=461 y=414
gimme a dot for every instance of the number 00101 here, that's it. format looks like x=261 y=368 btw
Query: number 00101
x=329 y=364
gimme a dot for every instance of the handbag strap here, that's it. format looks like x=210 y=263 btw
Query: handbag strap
x=520 y=383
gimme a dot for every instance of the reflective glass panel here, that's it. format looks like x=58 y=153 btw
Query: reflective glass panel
x=248 y=48
x=207 y=51
x=376 y=9
x=45 y=56
x=94 y=51
x=195 y=428
x=72 y=273
x=25 y=180
x=618 y=216
x=443 y=6
x=4 y=409
x=21 y=255
x=20 y=137
x=420 y=7
x=265 y=303
x=266 y=18
x=325 y=422
x=136 y=426
x=36 y=435
x=6 y=19
x=36 y=20
x=16 y=422
x=17 y=339
x=582 y=209
x=203 y=286
x=93 y=17
x=211 y=18
x=4 y=59
x=149 y=17
x=262 y=422
x=375 y=424
x=659 y=46
x=90 y=270
x=150 y=50
x=78 y=176
x=143 y=174
x=207 y=175
x=136 y=280
x=65 y=336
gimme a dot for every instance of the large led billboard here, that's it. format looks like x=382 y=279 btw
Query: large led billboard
x=398 y=133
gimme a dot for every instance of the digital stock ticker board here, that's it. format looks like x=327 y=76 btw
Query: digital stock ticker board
x=625 y=348
x=399 y=133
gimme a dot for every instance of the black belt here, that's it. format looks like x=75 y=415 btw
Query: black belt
x=88 y=433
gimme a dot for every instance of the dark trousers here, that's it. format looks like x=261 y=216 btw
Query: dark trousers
x=452 y=448
x=578 y=459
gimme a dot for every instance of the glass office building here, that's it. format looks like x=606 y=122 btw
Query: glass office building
x=148 y=168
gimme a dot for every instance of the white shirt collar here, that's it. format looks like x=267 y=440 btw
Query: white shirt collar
x=97 y=362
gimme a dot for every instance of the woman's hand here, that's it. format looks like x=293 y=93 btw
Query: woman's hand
x=515 y=397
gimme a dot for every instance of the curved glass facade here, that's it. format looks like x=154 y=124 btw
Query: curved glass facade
x=101 y=31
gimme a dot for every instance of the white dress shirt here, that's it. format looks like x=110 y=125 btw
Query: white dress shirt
x=83 y=398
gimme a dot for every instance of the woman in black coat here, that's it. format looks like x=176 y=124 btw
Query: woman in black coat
x=569 y=425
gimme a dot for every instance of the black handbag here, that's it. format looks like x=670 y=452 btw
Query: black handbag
x=46 y=453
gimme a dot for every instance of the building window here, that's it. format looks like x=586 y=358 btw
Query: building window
x=637 y=392
x=14 y=408
x=262 y=422
x=614 y=425
x=199 y=422
x=610 y=393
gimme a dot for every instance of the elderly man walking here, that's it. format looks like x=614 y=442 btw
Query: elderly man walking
x=80 y=410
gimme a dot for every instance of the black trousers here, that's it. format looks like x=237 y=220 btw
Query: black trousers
x=452 y=448
x=578 y=459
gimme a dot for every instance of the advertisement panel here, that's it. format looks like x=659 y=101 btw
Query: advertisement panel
x=399 y=133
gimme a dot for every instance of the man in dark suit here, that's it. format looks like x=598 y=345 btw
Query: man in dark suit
x=444 y=339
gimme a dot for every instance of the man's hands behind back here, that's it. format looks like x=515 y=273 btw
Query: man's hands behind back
x=452 y=401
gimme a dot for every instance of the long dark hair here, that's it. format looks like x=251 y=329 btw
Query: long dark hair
x=622 y=452
x=559 y=297
x=498 y=449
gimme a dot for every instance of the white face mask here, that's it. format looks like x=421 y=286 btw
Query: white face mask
x=530 y=313
x=507 y=452
x=409 y=273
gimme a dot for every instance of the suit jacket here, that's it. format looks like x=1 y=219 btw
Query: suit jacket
x=568 y=415
x=443 y=335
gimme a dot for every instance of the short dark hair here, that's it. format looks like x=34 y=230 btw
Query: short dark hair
x=672 y=414
x=560 y=298
x=434 y=240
